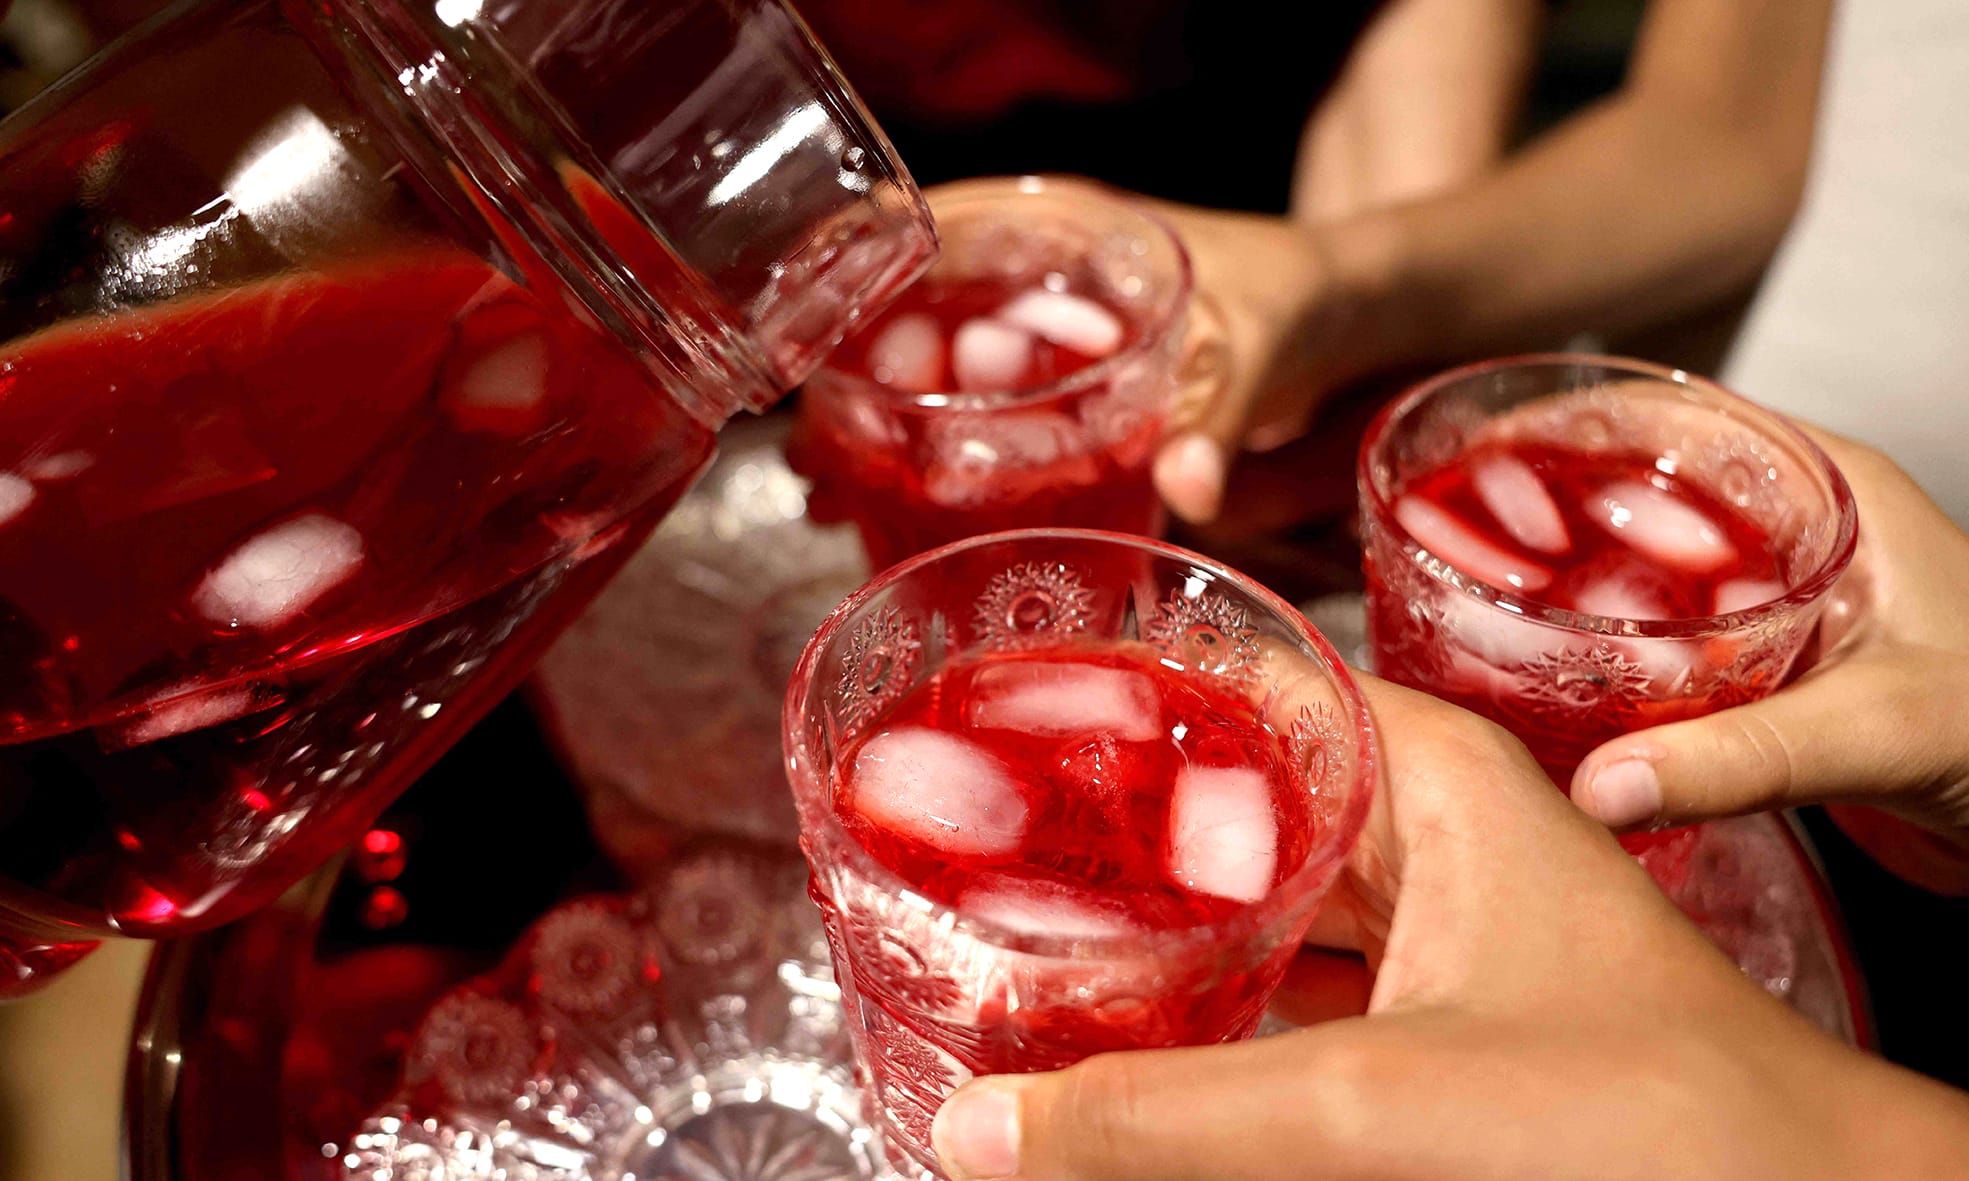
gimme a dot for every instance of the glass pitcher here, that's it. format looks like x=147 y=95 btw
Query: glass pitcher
x=346 y=349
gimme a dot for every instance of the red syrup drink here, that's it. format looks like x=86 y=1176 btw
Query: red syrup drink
x=1023 y=382
x=1085 y=792
x=1581 y=547
x=345 y=350
x=248 y=577
x=1597 y=534
x=1062 y=793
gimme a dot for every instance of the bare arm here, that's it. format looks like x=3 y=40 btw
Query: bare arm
x=1661 y=200
x=1669 y=195
x=1426 y=101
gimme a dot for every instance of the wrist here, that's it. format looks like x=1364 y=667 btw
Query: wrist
x=1367 y=321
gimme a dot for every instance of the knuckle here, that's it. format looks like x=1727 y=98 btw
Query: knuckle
x=1347 y=1082
x=1764 y=749
x=1491 y=746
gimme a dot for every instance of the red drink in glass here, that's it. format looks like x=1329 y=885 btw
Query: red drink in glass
x=1579 y=547
x=1594 y=533
x=911 y=347
x=1022 y=382
x=1085 y=791
x=1063 y=792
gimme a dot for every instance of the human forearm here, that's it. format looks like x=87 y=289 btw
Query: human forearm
x=1606 y=227
x=1427 y=100
x=1652 y=204
x=1659 y=201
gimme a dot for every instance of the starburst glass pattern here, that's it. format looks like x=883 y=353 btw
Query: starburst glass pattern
x=586 y=959
x=1766 y=650
x=1313 y=744
x=713 y=909
x=1032 y=604
x=883 y=655
x=1576 y=680
x=754 y=1142
x=1206 y=633
x=478 y=1048
x=562 y=1062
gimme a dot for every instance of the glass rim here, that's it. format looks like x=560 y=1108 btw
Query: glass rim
x=1088 y=193
x=1328 y=853
x=1799 y=593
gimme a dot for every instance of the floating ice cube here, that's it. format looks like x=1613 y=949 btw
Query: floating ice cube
x=939 y=789
x=1669 y=665
x=185 y=708
x=1623 y=592
x=1739 y=594
x=1040 y=906
x=1654 y=522
x=908 y=352
x=15 y=495
x=1059 y=699
x=1435 y=529
x=976 y=459
x=1223 y=835
x=1515 y=495
x=990 y=355
x=276 y=575
x=1072 y=321
x=1502 y=638
x=1032 y=440
x=504 y=390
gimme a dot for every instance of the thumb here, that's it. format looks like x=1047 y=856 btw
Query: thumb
x=1206 y=417
x=1884 y=728
x=1241 y=1112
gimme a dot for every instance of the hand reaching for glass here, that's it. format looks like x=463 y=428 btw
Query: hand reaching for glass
x=1280 y=325
x=1418 y=239
x=1878 y=720
x=1514 y=1029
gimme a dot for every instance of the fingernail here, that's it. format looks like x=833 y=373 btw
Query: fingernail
x=1625 y=792
x=976 y=1132
x=1192 y=468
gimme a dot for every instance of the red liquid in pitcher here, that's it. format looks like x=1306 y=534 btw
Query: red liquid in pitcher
x=1609 y=535
x=264 y=554
x=1084 y=793
x=915 y=477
